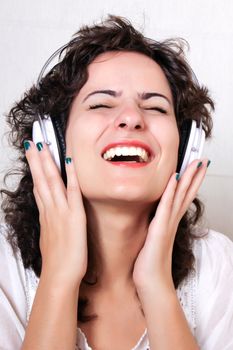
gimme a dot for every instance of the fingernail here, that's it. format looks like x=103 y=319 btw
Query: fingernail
x=68 y=160
x=208 y=163
x=26 y=145
x=177 y=177
x=39 y=146
x=199 y=165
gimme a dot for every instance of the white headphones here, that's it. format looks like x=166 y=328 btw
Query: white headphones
x=191 y=144
x=43 y=131
x=192 y=137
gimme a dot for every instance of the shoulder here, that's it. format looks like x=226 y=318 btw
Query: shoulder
x=214 y=299
x=6 y=251
x=211 y=240
x=212 y=237
x=12 y=272
x=13 y=301
x=11 y=265
x=213 y=251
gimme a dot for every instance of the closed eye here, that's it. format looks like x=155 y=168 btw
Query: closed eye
x=98 y=106
x=161 y=110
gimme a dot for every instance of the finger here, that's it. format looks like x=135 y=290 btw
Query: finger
x=38 y=200
x=74 y=195
x=165 y=206
x=193 y=189
x=185 y=184
x=52 y=176
x=37 y=172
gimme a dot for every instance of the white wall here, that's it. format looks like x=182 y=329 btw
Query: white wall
x=32 y=30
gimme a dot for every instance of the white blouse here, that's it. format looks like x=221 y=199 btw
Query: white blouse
x=206 y=296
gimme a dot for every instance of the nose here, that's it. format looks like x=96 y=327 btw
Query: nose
x=130 y=118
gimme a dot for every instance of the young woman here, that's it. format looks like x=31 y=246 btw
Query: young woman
x=110 y=256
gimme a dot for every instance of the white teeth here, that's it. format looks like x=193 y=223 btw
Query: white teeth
x=132 y=151
x=111 y=153
x=139 y=151
x=145 y=156
x=118 y=151
x=126 y=151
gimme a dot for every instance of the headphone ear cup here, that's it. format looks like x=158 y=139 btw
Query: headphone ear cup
x=184 y=139
x=61 y=146
x=55 y=137
x=192 y=139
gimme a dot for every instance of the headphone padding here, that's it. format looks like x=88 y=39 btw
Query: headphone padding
x=61 y=145
x=184 y=138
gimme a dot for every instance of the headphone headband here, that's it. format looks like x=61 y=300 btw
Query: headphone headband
x=192 y=138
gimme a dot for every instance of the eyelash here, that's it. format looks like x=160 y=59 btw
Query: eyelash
x=98 y=106
x=161 y=110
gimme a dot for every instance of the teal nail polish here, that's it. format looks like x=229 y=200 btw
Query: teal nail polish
x=177 y=177
x=199 y=165
x=26 y=145
x=39 y=146
x=209 y=161
x=68 y=160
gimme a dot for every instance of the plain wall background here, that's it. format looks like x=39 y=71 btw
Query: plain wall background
x=31 y=31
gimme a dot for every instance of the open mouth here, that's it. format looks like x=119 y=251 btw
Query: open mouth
x=127 y=154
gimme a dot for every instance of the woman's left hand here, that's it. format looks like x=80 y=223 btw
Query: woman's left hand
x=153 y=266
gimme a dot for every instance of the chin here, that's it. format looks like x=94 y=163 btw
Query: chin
x=136 y=194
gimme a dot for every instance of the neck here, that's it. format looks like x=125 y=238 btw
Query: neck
x=116 y=234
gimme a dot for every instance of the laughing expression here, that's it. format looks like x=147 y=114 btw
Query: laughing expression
x=122 y=132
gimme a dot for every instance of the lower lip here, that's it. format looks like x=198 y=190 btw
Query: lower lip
x=130 y=165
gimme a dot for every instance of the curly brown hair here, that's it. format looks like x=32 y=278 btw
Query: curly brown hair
x=54 y=95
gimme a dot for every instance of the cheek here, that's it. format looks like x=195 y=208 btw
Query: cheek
x=167 y=136
x=81 y=141
x=171 y=142
x=168 y=141
x=78 y=135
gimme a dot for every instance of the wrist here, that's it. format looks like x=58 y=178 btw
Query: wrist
x=59 y=284
x=156 y=289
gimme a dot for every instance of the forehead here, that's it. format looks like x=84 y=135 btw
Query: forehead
x=116 y=69
x=123 y=58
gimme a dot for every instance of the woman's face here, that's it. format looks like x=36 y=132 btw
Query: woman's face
x=125 y=106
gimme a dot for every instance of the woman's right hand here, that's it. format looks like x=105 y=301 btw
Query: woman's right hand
x=63 y=235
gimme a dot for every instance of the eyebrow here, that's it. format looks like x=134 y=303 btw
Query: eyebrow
x=143 y=96
x=147 y=95
x=107 y=92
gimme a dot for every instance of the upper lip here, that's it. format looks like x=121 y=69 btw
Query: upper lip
x=128 y=143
